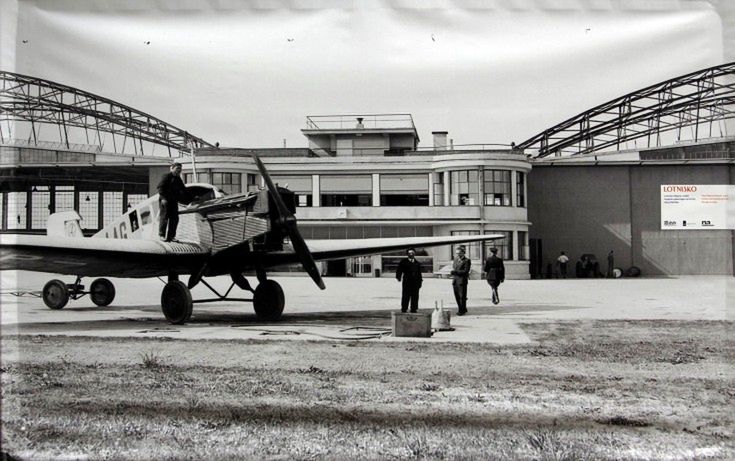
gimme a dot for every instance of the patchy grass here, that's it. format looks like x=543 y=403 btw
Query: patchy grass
x=585 y=390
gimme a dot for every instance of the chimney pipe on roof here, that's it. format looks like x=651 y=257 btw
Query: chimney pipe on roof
x=440 y=140
x=359 y=123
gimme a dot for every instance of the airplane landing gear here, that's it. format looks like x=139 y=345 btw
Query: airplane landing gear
x=176 y=302
x=102 y=292
x=55 y=294
x=268 y=300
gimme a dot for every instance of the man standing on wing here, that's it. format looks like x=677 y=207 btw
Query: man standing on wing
x=171 y=191
x=460 y=276
x=409 y=272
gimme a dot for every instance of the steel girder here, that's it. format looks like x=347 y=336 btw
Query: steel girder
x=697 y=100
x=37 y=101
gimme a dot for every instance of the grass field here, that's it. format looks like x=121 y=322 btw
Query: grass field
x=585 y=390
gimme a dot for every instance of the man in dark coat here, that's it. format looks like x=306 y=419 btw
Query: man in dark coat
x=460 y=276
x=409 y=272
x=494 y=272
x=171 y=191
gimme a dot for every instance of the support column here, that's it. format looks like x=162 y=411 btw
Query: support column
x=376 y=189
x=431 y=189
x=315 y=196
x=516 y=246
x=446 y=179
x=513 y=188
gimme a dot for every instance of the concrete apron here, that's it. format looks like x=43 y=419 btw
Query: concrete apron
x=360 y=309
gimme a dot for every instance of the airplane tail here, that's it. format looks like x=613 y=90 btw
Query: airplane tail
x=65 y=224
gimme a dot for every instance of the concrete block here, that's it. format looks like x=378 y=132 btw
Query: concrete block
x=415 y=325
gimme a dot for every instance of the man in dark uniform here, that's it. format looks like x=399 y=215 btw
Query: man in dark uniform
x=409 y=270
x=460 y=276
x=494 y=272
x=171 y=191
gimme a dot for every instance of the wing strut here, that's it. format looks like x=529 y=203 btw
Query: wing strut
x=288 y=221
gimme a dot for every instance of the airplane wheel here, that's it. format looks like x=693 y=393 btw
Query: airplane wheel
x=102 y=292
x=268 y=300
x=176 y=302
x=55 y=294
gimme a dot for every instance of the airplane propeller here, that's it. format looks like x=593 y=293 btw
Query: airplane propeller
x=288 y=221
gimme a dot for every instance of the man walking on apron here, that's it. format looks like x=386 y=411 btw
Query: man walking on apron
x=495 y=273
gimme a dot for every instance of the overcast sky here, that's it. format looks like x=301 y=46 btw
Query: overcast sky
x=247 y=74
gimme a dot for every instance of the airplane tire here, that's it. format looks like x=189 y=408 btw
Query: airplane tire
x=55 y=294
x=268 y=300
x=176 y=302
x=102 y=292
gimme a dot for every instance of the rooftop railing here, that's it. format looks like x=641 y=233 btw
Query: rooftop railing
x=359 y=121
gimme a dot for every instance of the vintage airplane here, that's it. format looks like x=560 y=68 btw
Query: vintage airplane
x=218 y=235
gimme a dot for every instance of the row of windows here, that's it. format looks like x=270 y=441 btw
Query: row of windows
x=30 y=210
x=396 y=190
x=479 y=251
x=464 y=188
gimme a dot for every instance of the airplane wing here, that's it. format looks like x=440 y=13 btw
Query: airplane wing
x=337 y=249
x=98 y=256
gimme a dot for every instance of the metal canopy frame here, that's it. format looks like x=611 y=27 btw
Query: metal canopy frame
x=75 y=112
x=700 y=100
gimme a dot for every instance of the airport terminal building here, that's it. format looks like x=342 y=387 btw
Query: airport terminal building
x=367 y=175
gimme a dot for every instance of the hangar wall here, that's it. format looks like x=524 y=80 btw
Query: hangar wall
x=597 y=208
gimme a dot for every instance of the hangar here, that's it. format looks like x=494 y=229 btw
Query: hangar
x=586 y=186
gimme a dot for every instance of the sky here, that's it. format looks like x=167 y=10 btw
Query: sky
x=246 y=74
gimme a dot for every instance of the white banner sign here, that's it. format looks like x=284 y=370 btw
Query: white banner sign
x=697 y=207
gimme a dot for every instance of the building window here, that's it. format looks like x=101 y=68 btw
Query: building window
x=504 y=246
x=346 y=190
x=89 y=209
x=520 y=189
x=299 y=185
x=464 y=187
x=404 y=190
x=472 y=249
x=438 y=187
x=251 y=181
x=228 y=182
x=497 y=187
x=40 y=204
x=112 y=206
x=63 y=198
x=17 y=208
x=523 y=252
x=202 y=178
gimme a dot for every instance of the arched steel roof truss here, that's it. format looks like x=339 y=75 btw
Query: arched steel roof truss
x=37 y=102
x=700 y=100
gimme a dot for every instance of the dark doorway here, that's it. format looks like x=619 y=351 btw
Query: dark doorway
x=337 y=268
x=537 y=258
